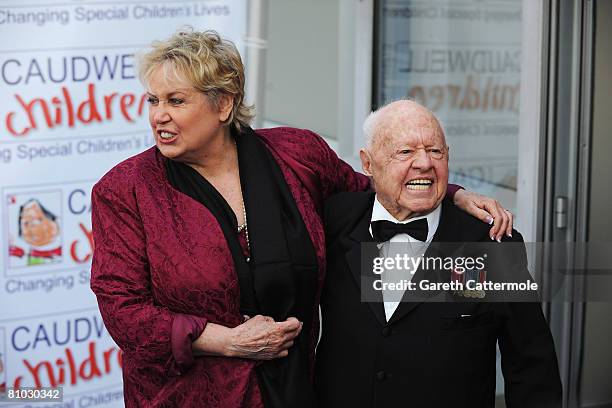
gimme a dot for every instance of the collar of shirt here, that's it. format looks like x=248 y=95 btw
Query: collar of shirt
x=433 y=219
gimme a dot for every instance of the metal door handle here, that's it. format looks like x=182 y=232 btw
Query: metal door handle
x=561 y=212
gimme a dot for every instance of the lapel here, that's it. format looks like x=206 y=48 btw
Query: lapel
x=448 y=230
x=306 y=205
x=359 y=255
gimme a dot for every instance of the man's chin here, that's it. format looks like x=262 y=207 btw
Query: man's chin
x=420 y=206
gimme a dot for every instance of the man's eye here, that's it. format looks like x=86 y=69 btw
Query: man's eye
x=176 y=101
x=435 y=153
x=152 y=101
x=405 y=151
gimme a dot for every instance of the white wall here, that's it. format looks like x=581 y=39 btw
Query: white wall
x=302 y=64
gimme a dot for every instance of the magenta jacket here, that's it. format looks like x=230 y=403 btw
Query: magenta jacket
x=162 y=269
x=162 y=263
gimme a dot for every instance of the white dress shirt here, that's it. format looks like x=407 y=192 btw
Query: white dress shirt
x=413 y=247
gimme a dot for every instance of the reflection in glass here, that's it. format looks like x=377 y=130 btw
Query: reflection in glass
x=461 y=59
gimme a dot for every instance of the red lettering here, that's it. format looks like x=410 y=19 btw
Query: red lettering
x=29 y=109
x=61 y=109
x=11 y=129
x=107 y=356
x=72 y=366
x=89 y=368
x=90 y=106
x=74 y=246
x=58 y=110
x=142 y=104
x=127 y=101
x=35 y=372
x=108 y=100
x=62 y=371
x=69 y=106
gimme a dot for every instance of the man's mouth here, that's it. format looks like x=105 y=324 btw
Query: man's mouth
x=419 y=184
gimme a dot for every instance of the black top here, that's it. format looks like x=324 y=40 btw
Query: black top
x=280 y=279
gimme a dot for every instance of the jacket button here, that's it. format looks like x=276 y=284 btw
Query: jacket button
x=381 y=375
x=386 y=331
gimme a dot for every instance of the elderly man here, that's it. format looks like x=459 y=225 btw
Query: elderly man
x=395 y=351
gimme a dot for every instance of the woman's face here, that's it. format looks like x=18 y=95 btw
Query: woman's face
x=183 y=122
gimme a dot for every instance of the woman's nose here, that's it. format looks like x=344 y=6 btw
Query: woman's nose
x=160 y=115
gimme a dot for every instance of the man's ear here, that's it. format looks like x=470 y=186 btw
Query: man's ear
x=366 y=162
x=226 y=103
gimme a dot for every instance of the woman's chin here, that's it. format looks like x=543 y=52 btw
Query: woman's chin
x=168 y=151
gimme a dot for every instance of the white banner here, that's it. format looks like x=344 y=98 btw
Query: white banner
x=71 y=109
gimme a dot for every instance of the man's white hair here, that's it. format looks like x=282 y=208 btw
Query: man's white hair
x=371 y=125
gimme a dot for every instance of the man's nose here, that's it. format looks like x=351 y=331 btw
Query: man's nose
x=422 y=160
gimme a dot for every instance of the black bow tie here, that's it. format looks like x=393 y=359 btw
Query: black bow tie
x=383 y=231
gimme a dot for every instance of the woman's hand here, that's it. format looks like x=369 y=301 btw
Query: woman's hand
x=258 y=338
x=488 y=210
x=261 y=338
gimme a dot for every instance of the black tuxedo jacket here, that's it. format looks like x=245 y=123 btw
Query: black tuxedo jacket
x=427 y=355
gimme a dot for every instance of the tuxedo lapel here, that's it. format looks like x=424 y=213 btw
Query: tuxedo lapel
x=450 y=229
x=359 y=255
x=446 y=232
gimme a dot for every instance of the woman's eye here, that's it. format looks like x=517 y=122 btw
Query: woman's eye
x=152 y=101
x=176 y=101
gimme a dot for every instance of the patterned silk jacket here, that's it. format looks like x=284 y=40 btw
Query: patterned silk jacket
x=161 y=260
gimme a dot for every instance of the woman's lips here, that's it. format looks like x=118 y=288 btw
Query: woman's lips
x=166 y=137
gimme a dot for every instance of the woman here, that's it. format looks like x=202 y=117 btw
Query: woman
x=215 y=223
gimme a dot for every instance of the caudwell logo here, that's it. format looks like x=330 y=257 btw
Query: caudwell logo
x=65 y=91
x=47 y=230
x=63 y=351
x=34 y=228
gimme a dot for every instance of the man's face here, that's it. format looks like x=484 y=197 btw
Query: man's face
x=408 y=162
x=37 y=229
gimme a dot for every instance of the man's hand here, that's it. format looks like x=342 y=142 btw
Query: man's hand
x=487 y=210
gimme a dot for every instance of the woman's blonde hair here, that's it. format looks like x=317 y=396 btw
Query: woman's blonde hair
x=210 y=63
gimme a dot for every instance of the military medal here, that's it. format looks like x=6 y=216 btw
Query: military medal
x=473 y=276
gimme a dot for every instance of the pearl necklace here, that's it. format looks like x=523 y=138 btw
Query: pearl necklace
x=245 y=227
